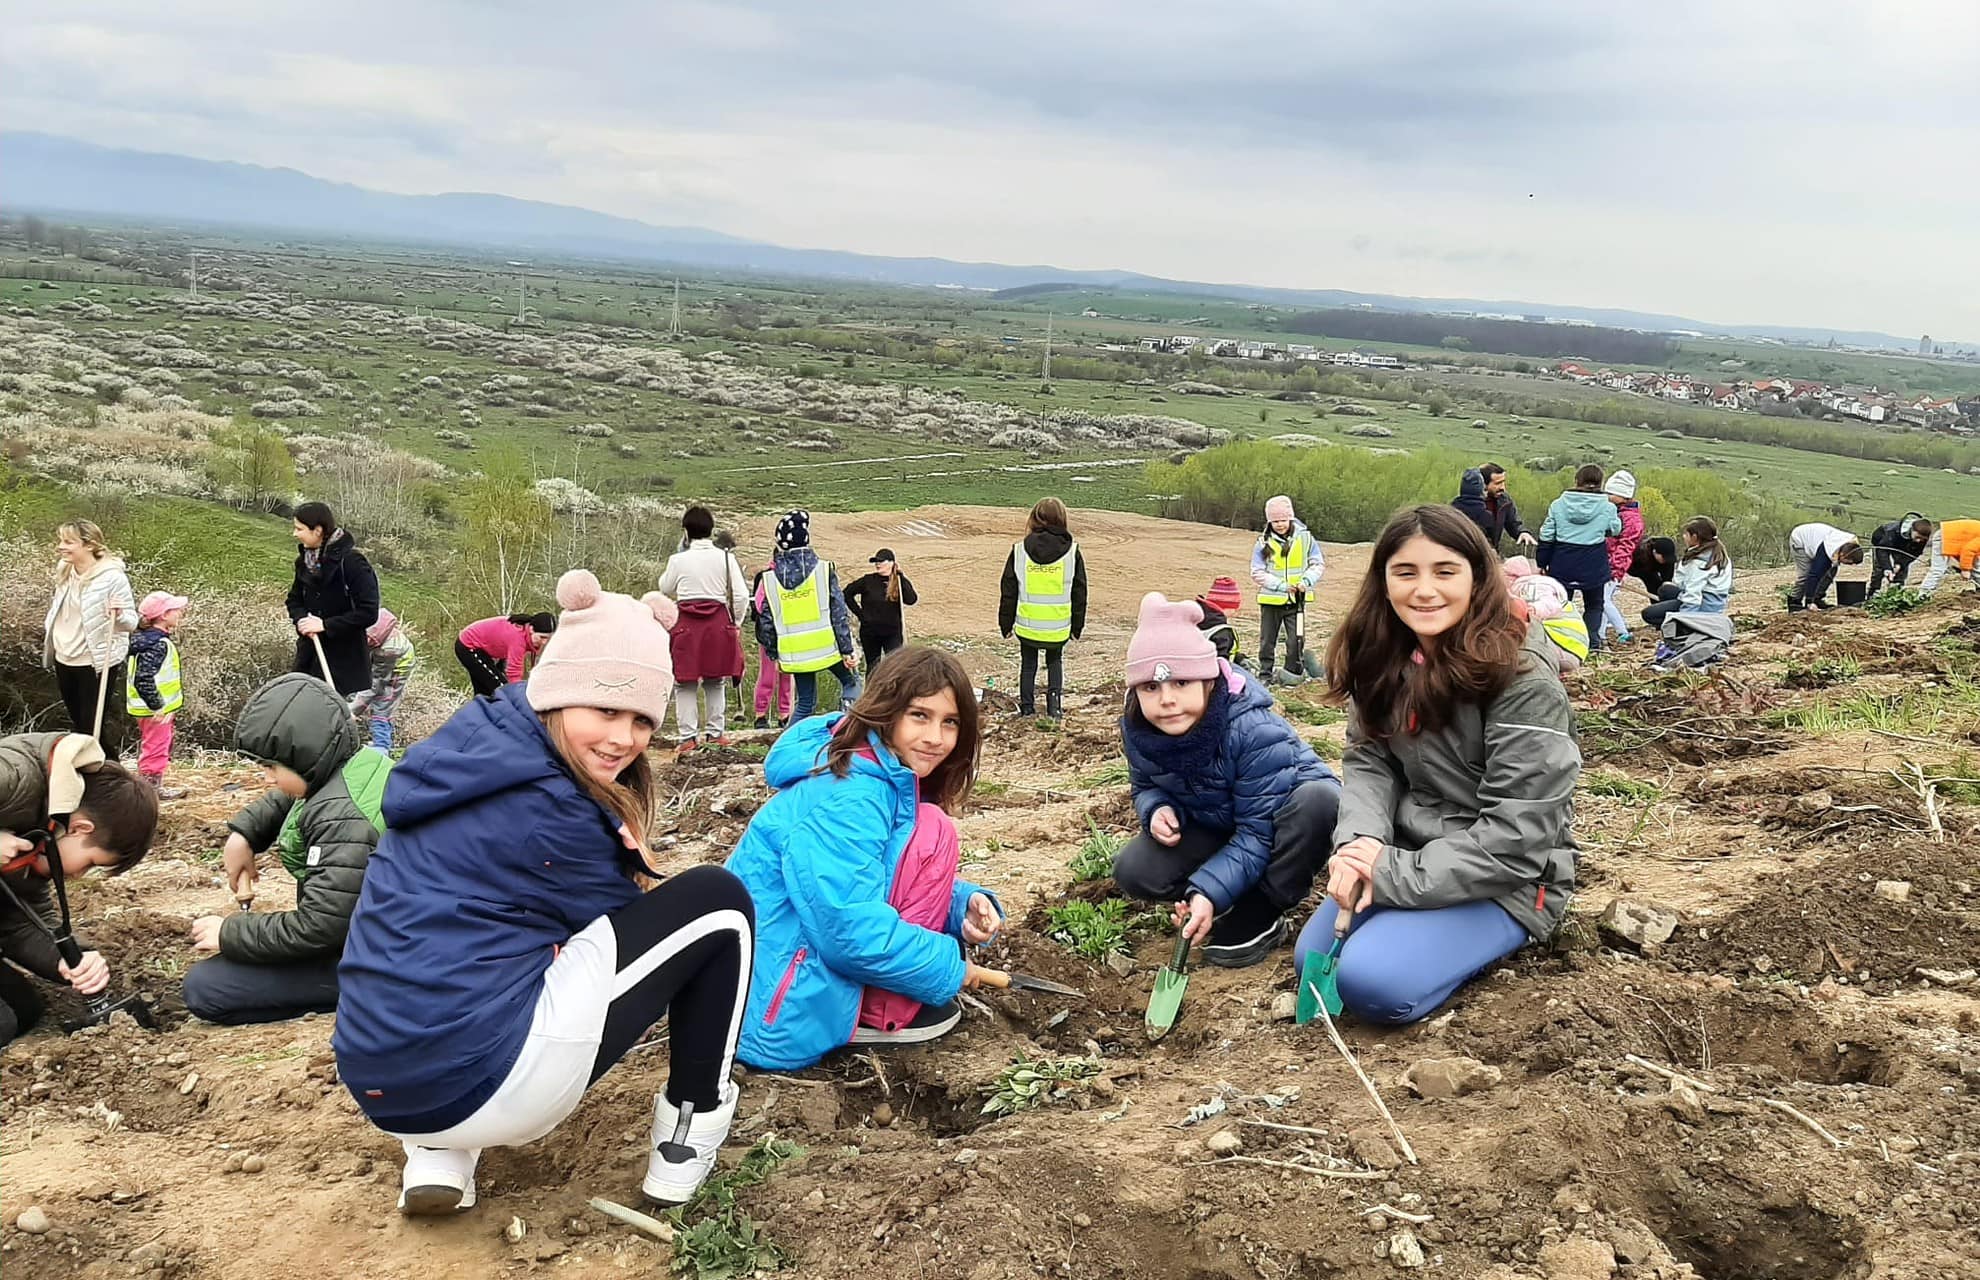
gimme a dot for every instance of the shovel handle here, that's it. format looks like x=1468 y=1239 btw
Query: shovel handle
x=1180 y=960
x=992 y=977
x=316 y=638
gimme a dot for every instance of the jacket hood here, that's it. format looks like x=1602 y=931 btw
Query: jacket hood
x=794 y=565
x=300 y=722
x=145 y=639
x=1047 y=545
x=800 y=753
x=490 y=745
x=1472 y=485
x=107 y=563
x=1583 y=504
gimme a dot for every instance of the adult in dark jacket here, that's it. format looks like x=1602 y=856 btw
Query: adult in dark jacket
x=1895 y=545
x=322 y=817
x=334 y=597
x=1454 y=845
x=1237 y=810
x=876 y=600
x=1044 y=627
x=1483 y=498
x=1654 y=563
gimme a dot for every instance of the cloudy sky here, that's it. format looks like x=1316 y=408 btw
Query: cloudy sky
x=1809 y=162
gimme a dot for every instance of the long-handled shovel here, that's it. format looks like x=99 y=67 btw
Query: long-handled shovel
x=1166 y=1001
x=323 y=663
x=1319 y=981
x=102 y=696
x=101 y=1006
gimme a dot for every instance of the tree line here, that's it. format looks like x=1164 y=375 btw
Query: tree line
x=1514 y=337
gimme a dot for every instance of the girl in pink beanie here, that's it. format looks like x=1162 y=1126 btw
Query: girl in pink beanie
x=1237 y=808
x=503 y=957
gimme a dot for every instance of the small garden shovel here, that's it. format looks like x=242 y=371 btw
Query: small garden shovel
x=1170 y=983
x=1319 y=981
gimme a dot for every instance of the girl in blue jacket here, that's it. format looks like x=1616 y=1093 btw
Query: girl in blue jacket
x=1238 y=809
x=502 y=957
x=1574 y=545
x=839 y=868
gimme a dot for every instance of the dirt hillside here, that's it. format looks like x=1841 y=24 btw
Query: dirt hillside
x=1817 y=997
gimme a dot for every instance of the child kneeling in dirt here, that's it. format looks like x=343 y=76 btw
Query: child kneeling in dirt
x=322 y=817
x=852 y=865
x=1237 y=808
x=105 y=817
x=503 y=957
x=1453 y=846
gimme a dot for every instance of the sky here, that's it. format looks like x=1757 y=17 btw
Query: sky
x=1801 y=162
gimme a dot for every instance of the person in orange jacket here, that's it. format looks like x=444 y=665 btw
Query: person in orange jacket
x=1954 y=542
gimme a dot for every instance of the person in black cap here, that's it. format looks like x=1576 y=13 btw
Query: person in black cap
x=876 y=601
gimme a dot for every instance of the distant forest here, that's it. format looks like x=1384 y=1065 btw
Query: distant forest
x=1509 y=337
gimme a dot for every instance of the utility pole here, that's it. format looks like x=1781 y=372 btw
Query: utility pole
x=674 y=329
x=1048 y=348
x=522 y=295
x=194 y=273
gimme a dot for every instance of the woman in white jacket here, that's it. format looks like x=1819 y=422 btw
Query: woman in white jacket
x=709 y=586
x=87 y=633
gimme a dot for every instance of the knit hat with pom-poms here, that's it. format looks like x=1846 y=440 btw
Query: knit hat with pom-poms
x=794 y=531
x=610 y=651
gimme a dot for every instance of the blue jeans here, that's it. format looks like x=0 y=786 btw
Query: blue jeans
x=806 y=686
x=1398 y=965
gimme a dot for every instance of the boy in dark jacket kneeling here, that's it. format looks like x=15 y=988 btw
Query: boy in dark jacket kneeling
x=1237 y=809
x=322 y=818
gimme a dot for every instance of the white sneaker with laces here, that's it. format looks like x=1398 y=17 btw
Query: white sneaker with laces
x=680 y=1159
x=437 y=1180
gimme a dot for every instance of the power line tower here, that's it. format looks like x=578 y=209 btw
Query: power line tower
x=1048 y=349
x=674 y=328
x=522 y=296
x=193 y=275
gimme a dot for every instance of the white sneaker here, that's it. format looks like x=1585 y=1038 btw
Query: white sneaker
x=437 y=1180
x=675 y=1170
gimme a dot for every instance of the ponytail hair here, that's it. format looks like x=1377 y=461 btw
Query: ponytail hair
x=1709 y=546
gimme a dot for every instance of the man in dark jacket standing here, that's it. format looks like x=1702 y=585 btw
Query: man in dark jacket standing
x=322 y=816
x=334 y=598
x=1896 y=545
x=1482 y=496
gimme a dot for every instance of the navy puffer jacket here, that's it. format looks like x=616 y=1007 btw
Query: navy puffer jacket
x=1233 y=772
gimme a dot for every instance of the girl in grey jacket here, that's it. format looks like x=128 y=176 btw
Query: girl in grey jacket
x=1454 y=843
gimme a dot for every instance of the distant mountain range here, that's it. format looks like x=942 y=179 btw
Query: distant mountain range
x=58 y=175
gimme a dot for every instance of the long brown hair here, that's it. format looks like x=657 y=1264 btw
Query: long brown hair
x=915 y=672
x=1371 y=658
x=1709 y=546
x=1049 y=513
x=631 y=797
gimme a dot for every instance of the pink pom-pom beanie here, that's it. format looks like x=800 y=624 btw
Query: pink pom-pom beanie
x=1167 y=644
x=609 y=651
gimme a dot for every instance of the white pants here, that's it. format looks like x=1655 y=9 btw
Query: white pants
x=1612 y=617
x=1941 y=562
x=687 y=709
x=554 y=1068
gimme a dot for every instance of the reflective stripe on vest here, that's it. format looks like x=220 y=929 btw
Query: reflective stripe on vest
x=1286 y=566
x=1044 y=611
x=805 y=641
x=169 y=686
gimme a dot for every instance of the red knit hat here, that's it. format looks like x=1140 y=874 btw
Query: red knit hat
x=1167 y=643
x=1224 y=595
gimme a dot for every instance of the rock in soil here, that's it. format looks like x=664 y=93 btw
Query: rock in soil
x=1682 y=1102
x=253 y=1164
x=1285 y=1007
x=1639 y=922
x=1224 y=1142
x=1633 y=1242
x=1894 y=890
x=33 y=1220
x=1450 y=1077
x=1578 y=1258
x=1371 y=1147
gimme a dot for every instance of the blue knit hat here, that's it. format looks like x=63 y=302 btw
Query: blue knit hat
x=794 y=531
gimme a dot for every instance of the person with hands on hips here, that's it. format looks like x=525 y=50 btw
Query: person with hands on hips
x=1455 y=822
x=852 y=864
x=1238 y=809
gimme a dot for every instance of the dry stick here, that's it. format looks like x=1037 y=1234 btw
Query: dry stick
x=880 y=1074
x=1287 y=1128
x=1360 y=1174
x=1780 y=1106
x=633 y=1218
x=1668 y=1074
x=1333 y=1033
x=102 y=695
x=1418 y=1218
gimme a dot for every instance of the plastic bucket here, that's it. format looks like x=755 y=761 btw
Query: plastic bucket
x=1851 y=593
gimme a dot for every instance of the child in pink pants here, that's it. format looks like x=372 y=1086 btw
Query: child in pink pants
x=770 y=682
x=924 y=884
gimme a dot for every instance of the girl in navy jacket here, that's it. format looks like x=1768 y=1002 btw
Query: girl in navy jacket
x=502 y=957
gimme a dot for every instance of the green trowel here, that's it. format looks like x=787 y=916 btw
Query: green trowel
x=1319 y=981
x=1170 y=983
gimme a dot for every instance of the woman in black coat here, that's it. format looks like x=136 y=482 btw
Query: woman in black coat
x=334 y=597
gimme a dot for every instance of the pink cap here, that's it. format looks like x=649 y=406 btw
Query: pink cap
x=158 y=604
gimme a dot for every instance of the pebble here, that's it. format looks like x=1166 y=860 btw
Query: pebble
x=516 y=1229
x=253 y=1164
x=1081 y=1221
x=883 y=1115
x=1578 y=1258
x=815 y=1199
x=1638 y=921
x=233 y=1162
x=33 y=1220
x=1450 y=1077
x=1120 y=964
x=1371 y=1147
x=966 y=1156
x=1224 y=1142
x=1285 y=1007
x=1682 y=1102
x=179 y=1059
x=1893 y=890
x=191 y=1081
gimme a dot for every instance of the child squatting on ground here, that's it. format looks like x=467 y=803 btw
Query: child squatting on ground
x=1237 y=811
x=852 y=866
x=503 y=958
x=102 y=816
x=154 y=687
x=322 y=817
x=1453 y=845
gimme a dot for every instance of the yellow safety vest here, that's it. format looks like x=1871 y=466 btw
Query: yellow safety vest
x=805 y=641
x=1288 y=565
x=169 y=686
x=1044 y=610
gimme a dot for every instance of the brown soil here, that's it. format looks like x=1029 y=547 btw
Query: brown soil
x=1789 y=980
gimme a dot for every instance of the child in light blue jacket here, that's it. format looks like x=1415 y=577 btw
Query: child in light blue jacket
x=1574 y=544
